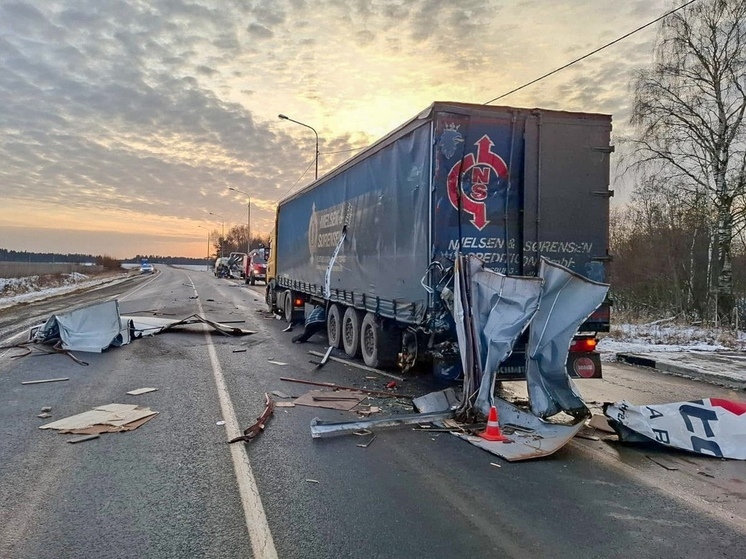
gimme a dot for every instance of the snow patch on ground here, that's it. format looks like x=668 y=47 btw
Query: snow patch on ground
x=35 y=288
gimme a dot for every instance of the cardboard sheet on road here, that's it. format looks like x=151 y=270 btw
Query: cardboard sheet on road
x=345 y=402
x=110 y=418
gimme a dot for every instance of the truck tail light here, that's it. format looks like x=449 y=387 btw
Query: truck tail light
x=298 y=302
x=583 y=345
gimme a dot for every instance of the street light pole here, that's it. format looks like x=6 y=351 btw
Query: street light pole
x=283 y=117
x=248 y=218
x=208 y=246
x=222 y=237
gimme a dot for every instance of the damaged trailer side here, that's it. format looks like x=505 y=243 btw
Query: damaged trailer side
x=375 y=239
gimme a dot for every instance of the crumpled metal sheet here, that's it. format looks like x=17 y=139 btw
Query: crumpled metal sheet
x=712 y=427
x=150 y=325
x=89 y=329
x=99 y=326
x=530 y=437
x=567 y=300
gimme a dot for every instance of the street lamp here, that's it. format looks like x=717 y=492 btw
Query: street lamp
x=222 y=237
x=248 y=219
x=283 y=117
x=208 y=245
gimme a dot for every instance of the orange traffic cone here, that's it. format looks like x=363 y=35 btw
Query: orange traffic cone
x=493 y=433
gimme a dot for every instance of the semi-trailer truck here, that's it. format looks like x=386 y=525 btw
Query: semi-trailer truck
x=373 y=241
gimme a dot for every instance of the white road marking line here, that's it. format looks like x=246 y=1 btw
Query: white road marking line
x=135 y=290
x=262 y=543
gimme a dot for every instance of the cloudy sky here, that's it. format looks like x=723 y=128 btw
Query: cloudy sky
x=124 y=122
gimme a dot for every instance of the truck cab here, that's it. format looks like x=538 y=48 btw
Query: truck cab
x=255 y=266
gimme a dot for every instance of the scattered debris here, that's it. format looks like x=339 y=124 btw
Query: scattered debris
x=312 y=481
x=352 y=363
x=587 y=437
x=289 y=328
x=280 y=363
x=321 y=428
x=496 y=465
x=340 y=387
x=371 y=410
x=239 y=350
x=46 y=408
x=220 y=423
x=139 y=391
x=261 y=421
x=326 y=357
x=601 y=423
x=368 y=443
x=392 y=384
x=111 y=418
x=711 y=427
x=77 y=440
x=44 y=381
x=280 y=394
x=705 y=474
x=210 y=300
x=340 y=400
x=98 y=327
x=44 y=415
x=285 y=404
x=662 y=462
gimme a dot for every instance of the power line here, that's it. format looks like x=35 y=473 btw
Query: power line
x=615 y=41
x=299 y=178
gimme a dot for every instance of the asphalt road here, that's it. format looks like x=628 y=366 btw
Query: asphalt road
x=174 y=488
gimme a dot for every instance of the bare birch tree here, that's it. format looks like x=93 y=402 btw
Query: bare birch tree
x=688 y=115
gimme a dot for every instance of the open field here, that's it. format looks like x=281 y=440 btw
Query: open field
x=23 y=269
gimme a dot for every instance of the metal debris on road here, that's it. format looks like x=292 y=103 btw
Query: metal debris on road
x=45 y=409
x=44 y=380
x=368 y=443
x=77 y=440
x=220 y=423
x=285 y=404
x=496 y=465
x=280 y=394
x=352 y=363
x=312 y=481
x=321 y=428
x=280 y=363
x=341 y=387
x=289 y=328
x=261 y=421
x=139 y=391
x=339 y=400
x=44 y=415
x=239 y=350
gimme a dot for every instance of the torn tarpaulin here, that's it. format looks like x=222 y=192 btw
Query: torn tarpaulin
x=99 y=326
x=713 y=427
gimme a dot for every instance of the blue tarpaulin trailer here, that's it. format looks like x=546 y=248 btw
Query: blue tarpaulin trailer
x=505 y=184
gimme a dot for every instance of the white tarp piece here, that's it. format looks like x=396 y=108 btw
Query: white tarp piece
x=91 y=329
x=712 y=427
x=99 y=326
x=567 y=300
x=502 y=307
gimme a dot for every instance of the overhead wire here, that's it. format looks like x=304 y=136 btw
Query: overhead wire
x=599 y=49
x=299 y=178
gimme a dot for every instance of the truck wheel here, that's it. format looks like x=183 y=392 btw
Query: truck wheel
x=288 y=307
x=379 y=346
x=270 y=297
x=334 y=326
x=252 y=281
x=351 y=331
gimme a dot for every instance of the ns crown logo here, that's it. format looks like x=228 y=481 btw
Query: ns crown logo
x=477 y=170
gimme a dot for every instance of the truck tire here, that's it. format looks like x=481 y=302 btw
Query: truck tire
x=351 y=322
x=334 y=326
x=379 y=346
x=288 y=307
x=252 y=281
